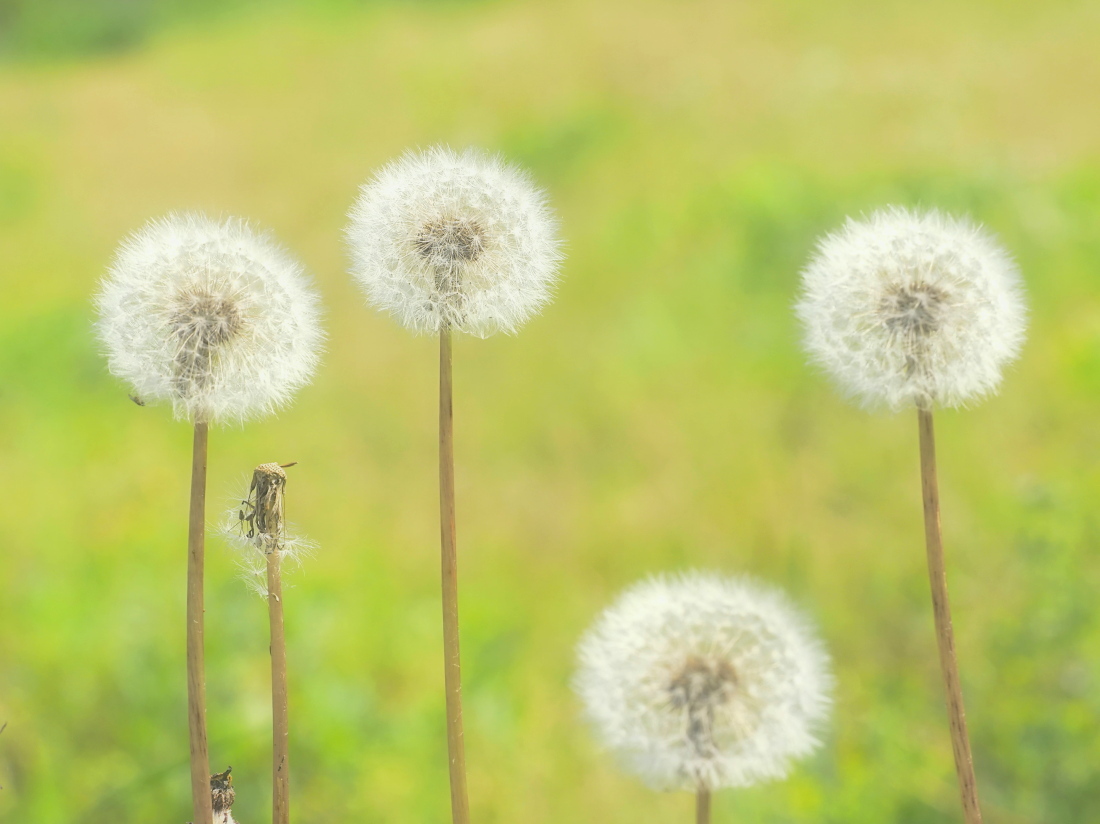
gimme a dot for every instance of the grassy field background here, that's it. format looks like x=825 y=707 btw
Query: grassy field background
x=658 y=416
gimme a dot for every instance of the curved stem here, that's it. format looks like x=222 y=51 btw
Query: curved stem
x=452 y=664
x=941 y=611
x=196 y=674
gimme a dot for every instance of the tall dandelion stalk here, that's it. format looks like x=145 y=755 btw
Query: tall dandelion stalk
x=700 y=682
x=453 y=242
x=261 y=532
x=918 y=310
x=217 y=320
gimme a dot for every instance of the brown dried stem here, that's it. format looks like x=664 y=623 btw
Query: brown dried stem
x=452 y=665
x=941 y=610
x=267 y=524
x=280 y=721
x=702 y=806
x=196 y=675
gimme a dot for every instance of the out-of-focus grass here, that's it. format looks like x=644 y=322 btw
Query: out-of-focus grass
x=658 y=416
x=40 y=30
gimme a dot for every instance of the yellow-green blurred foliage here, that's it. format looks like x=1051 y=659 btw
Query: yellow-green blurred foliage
x=658 y=416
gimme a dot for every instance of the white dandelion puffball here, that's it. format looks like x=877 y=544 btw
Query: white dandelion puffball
x=912 y=308
x=701 y=681
x=211 y=316
x=450 y=240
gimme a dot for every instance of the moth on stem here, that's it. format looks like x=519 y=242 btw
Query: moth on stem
x=260 y=529
x=222 y=796
x=908 y=309
x=217 y=320
x=453 y=242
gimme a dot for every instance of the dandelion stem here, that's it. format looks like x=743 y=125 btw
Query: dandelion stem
x=702 y=806
x=280 y=721
x=452 y=663
x=941 y=610
x=196 y=676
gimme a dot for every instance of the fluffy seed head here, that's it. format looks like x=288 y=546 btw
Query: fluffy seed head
x=909 y=308
x=702 y=681
x=443 y=239
x=208 y=315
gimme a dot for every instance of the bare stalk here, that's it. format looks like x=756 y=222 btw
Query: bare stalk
x=196 y=675
x=267 y=524
x=702 y=806
x=941 y=610
x=452 y=664
x=280 y=720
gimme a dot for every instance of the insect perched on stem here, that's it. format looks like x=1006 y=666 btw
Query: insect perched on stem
x=265 y=503
x=221 y=789
x=262 y=527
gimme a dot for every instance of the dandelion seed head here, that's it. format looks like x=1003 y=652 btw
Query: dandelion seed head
x=912 y=308
x=460 y=240
x=210 y=316
x=701 y=681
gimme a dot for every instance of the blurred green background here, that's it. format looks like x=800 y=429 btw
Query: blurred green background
x=658 y=416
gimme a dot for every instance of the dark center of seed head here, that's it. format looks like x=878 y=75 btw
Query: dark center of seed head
x=913 y=309
x=699 y=689
x=201 y=324
x=450 y=242
x=206 y=321
x=701 y=683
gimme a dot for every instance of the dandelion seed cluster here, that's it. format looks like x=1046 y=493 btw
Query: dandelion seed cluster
x=454 y=240
x=912 y=308
x=253 y=552
x=211 y=316
x=705 y=682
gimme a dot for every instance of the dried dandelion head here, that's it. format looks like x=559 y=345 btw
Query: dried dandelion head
x=703 y=682
x=222 y=796
x=210 y=316
x=257 y=528
x=912 y=308
x=454 y=240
